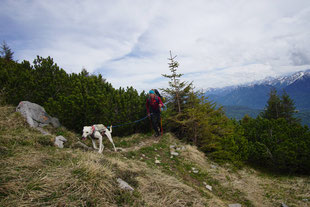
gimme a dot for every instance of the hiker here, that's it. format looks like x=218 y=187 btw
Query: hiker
x=153 y=105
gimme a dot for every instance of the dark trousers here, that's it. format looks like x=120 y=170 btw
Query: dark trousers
x=155 y=118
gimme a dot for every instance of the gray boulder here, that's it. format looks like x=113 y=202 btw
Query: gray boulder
x=36 y=115
x=59 y=141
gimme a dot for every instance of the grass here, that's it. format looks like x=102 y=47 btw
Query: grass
x=35 y=173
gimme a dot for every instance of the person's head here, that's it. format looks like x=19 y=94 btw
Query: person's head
x=152 y=94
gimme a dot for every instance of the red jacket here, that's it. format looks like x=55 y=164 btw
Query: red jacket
x=152 y=105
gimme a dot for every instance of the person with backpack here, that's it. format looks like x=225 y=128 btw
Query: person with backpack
x=153 y=106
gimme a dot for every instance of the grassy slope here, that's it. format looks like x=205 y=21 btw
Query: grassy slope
x=35 y=173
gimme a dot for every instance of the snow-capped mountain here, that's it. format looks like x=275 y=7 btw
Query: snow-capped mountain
x=255 y=94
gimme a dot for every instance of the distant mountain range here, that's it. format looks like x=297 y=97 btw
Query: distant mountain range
x=255 y=95
x=251 y=98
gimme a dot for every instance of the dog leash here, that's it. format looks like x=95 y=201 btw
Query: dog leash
x=131 y=122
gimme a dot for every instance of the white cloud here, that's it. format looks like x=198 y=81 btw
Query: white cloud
x=218 y=43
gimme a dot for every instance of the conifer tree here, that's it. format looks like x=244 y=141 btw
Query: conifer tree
x=288 y=108
x=6 y=52
x=273 y=107
x=179 y=91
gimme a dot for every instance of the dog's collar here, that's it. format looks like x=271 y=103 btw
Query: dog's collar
x=93 y=130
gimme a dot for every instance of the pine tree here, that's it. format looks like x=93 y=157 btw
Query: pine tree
x=273 y=108
x=288 y=109
x=179 y=91
x=6 y=52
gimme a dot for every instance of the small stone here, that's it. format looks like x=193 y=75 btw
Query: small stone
x=124 y=185
x=195 y=171
x=172 y=146
x=305 y=199
x=143 y=155
x=213 y=166
x=171 y=157
x=283 y=205
x=235 y=205
x=204 y=183
x=174 y=153
x=59 y=141
x=178 y=149
x=209 y=187
x=155 y=149
x=157 y=161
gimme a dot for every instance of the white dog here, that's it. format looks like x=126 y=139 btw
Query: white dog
x=96 y=132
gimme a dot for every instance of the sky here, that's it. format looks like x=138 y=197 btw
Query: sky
x=217 y=42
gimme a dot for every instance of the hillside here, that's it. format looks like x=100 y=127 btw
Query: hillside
x=238 y=112
x=35 y=173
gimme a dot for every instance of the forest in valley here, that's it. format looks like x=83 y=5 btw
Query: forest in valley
x=274 y=140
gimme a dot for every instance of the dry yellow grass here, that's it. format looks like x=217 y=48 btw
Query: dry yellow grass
x=35 y=173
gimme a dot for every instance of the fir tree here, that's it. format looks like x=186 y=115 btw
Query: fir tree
x=273 y=108
x=179 y=91
x=288 y=109
x=6 y=52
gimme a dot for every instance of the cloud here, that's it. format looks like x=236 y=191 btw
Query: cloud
x=218 y=43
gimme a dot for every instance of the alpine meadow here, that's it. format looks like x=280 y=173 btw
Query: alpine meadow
x=200 y=160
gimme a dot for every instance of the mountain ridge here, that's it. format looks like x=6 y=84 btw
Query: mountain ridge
x=255 y=94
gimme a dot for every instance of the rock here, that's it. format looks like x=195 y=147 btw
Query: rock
x=213 y=166
x=305 y=199
x=36 y=115
x=59 y=141
x=283 y=205
x=178 y=149
x=157 y=161
x=204 y=183
x=172 y=146
x=209 y=187
x=174 y=153
x=194 y=170
x=235 y=205
x=82 y=146
x=124 y=185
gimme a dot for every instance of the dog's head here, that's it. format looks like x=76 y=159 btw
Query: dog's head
x=87 y=131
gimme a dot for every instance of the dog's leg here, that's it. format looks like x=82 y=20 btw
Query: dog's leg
x=94 y=143
x=110 y=138
x=101 y=147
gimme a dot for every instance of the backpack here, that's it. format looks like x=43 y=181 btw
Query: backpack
x=158 y=95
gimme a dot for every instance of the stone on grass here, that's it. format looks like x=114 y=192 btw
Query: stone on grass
x=209 y=187
x=157 y=161
x=124 y=185
x=36 y=115
x=174 y=153
x=59 y=141
x=283 y=205
x=235 y=205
